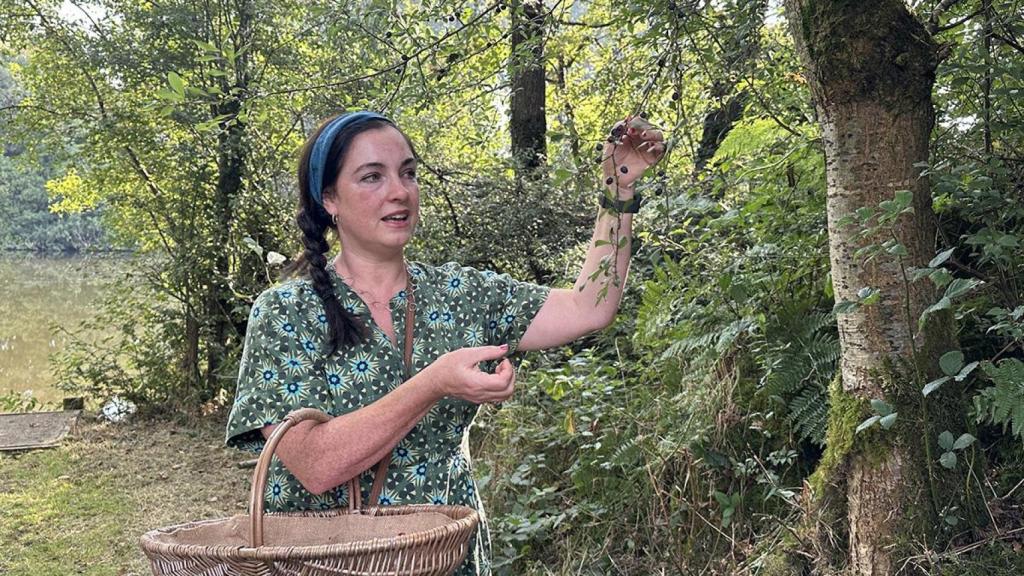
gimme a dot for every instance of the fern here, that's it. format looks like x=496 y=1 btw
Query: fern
x=800 y=357
x=808 y=414
x=1003 y=403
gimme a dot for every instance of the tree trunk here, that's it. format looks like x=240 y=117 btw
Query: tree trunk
x=526 y=67
x=231 y=159
x=871 y=66
x=740 y=51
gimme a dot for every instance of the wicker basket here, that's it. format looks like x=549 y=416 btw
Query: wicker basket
x=420 y=540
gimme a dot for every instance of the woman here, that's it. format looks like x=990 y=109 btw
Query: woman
x=334 y=340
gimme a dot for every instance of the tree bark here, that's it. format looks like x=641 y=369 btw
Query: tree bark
x=871 y=66
x=231 y=167
x=529 y=91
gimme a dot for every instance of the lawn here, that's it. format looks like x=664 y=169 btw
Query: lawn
x=80 y=508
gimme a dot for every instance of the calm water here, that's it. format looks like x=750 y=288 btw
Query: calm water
x=37 y=295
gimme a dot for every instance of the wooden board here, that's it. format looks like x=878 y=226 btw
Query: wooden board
x=31 y=430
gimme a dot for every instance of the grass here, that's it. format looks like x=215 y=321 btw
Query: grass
x=80 y=508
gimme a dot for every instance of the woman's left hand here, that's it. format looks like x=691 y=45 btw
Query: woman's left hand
x=634 y=145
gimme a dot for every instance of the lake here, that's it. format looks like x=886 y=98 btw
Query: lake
x=38 y=294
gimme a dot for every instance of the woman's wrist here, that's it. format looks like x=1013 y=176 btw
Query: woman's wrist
x=618 y=191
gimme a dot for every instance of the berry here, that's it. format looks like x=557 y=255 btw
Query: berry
x=598 y=159
x=600 y=146
x=609 y=180
x=675 y=95
x=624 y=169
x=661 y=173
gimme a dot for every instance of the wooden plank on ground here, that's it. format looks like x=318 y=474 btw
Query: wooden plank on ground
x=31 y=430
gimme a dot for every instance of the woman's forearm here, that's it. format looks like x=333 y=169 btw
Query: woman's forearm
x=599 y=286
x=322 y=456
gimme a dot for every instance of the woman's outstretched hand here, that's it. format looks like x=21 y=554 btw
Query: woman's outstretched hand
x=458 y=374
x=634 y=145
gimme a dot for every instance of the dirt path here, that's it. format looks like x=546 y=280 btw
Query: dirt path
x=80 y=508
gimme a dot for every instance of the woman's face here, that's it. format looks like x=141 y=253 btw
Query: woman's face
x=376 y=197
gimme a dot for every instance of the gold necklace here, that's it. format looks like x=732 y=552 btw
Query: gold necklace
x=369 y=298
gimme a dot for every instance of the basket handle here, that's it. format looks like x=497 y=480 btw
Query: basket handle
x=259 y=476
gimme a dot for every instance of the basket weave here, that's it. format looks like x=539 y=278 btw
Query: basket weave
x=414 y=540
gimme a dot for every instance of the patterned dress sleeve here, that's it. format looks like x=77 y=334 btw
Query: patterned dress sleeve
x=280 y=369
x=508 y=306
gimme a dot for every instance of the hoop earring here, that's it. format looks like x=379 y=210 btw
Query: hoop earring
x=334 y=220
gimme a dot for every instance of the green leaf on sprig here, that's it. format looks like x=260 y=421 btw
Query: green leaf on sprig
x=941 y=277
x=176 y=83
x=845 y=306
x=888 y=420
x=881 y=407
x=960 y=286
x=951 y=362
x=963 y=441
x=941 y=258
x=946 y=440
x=904 y=198
x=934 y=385
x=966 y=371
x=948 y=460
x=868 y=423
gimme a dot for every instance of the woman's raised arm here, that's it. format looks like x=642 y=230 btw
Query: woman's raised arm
x=594 y=300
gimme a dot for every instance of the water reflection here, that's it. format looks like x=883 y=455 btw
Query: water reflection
x=39 y=295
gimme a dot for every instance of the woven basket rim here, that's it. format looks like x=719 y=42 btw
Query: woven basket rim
x=457 y=525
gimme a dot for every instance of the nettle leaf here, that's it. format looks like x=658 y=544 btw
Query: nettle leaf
x=951 y=362
x=948 y=460
x=960 y=286
x=946 y=440
x=934 y=385
x=867 y=424
x=881 y=407
x=941 y=258
x=963 y=441
x=887 y=421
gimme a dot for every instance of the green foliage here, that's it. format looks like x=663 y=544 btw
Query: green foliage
x=12 y=401
x=1003 y=403
x=800 y=360
x=677 y=438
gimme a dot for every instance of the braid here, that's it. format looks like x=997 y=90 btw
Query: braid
x=343 y=327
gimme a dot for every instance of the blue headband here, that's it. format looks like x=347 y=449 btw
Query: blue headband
x=318 y=157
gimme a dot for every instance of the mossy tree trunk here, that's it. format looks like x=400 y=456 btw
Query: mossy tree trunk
x=871 y=67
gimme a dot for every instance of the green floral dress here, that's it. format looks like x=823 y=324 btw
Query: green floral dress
x=284 y=367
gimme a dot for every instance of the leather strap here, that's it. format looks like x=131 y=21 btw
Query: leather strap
x=381 y=472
